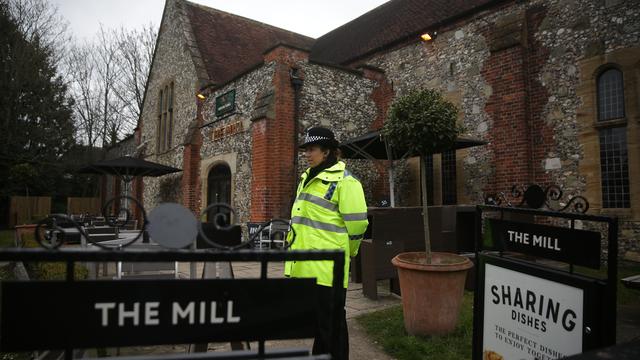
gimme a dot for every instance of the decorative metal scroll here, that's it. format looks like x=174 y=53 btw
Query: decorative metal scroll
x=535 y=197
x=58 y=229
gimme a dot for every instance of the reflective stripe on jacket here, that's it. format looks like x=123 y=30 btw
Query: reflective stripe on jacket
x=330 y=212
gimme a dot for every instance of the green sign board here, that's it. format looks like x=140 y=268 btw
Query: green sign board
x=226 y=103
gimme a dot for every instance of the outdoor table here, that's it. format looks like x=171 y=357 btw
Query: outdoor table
x=124 y=237
x=96 y=233
x=632 y=282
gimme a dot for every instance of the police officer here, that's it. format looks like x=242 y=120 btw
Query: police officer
x=329 y=212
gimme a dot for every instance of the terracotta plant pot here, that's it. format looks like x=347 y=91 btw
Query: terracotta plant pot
x=431 y=293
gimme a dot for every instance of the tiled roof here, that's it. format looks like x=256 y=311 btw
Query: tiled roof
x=388 y=23
x=230 y=44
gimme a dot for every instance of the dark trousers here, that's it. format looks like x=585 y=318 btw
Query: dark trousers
x=339 y=348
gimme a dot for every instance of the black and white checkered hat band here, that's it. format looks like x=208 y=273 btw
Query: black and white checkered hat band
x=313 y=138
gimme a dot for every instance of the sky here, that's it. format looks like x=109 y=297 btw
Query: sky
x=313 y=18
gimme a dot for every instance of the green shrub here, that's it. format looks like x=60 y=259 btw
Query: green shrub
x=51 y=270
x=7 y=238
x=54 y=271
x=422 y=121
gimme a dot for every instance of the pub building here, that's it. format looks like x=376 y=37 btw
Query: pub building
x=550 y=85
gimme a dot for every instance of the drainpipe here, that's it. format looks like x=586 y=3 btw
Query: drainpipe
x=296 y=82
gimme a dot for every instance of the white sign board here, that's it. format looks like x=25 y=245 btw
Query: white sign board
x=526 y=317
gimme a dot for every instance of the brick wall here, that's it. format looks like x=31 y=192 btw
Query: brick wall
x=382 y=95
x=190 y=182
x=507 y=106
x=542 y=141
x=520 y=139
x=273 y=174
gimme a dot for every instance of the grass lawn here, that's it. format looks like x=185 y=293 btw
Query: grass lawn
x=6 y=238
x=386 y=327
x=625 y=295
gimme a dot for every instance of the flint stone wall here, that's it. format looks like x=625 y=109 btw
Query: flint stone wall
x=340 y=100
x=248 y=88
x=172 y=63
x=570 y=31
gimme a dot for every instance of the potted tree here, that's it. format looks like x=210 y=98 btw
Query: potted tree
x=432 y=283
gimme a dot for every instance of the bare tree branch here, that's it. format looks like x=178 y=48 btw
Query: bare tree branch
x=136 y=53
x=108 y=79
x=40 y=21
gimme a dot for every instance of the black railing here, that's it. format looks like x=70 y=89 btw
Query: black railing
x=51 y=234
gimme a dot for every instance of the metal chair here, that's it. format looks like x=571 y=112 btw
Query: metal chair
x=273 y=235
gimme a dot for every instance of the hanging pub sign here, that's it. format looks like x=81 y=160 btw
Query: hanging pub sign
x=35 y=314
x=579 y=247
x=226 y=103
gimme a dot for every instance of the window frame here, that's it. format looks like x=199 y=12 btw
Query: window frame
x=165 y=119
x=605 y=125
x=601 y=73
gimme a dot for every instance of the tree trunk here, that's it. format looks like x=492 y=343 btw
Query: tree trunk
x=425 y=210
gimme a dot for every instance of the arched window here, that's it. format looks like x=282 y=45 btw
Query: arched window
x=614 y=160
x=219 y=189
x=610 y=95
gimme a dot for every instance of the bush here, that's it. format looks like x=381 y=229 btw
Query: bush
x=54 y=271
x=422 y=121
x=51 y=270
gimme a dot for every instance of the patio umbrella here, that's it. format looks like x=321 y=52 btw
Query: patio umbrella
x=127 y=167
x=371 y=146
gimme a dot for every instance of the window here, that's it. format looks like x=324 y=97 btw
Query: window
x=614 y=161
x=610 y=95
x=165 y=118
x=428 y=161
x=614 y=168
x=449 y=195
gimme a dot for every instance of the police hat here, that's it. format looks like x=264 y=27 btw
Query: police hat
x=321 y=136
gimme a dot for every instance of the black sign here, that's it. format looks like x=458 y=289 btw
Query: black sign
x=226 y=103
x=253 y=227
x=36 y=315
x=574 y=246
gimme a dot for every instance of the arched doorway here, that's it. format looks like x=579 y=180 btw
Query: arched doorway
x=219 y=189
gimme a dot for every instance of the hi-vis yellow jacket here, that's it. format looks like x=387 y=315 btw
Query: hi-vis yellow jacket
x=330 y=212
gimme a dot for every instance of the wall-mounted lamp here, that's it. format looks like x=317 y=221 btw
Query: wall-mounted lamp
x=205 y=90
x=428 y=36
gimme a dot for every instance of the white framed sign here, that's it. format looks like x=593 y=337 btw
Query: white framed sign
x=528 y=317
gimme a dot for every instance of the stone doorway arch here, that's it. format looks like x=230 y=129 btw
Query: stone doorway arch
x=219 y=189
